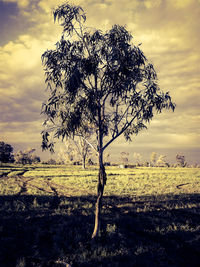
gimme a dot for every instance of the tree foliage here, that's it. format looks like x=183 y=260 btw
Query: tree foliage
x=26 y=157
x=6 y=153
x=181 y=160
x=162 y=161
x=153 y=158
x=124 y=156
x=76 y=150
x=138 y=158
x=94 y=75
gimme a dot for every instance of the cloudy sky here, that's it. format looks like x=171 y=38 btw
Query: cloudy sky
x=170 y=36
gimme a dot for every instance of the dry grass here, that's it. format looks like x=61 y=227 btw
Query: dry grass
x=73 y=181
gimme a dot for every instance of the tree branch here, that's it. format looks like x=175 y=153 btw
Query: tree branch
x=122 y=130
x=88 y=142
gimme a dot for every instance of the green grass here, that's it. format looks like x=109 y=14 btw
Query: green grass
x=150 y=216
x=73 y=181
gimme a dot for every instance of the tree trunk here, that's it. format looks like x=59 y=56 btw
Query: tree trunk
x=100 y=189
x=102 y=173
x=83 y=161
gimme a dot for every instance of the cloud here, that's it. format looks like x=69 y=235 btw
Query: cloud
x=152 y=4
x=21 y=55
x=179 y=4
x=169 y=33
x=20 y=3
x=21 y=132
x=21 y=82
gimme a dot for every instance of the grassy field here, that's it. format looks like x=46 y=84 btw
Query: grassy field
x=151 y=217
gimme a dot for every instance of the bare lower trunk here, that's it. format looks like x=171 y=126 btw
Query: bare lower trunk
x=100 y=189
x=83 y=162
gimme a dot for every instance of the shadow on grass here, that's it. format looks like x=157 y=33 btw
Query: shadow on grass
x=140 y=231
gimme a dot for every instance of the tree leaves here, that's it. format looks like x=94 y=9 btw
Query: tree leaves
x=100 y=78
x=6 y=151
x=67 y=14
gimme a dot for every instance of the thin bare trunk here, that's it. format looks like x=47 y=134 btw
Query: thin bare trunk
x=102 y=173
x=83 y=161
x=100 y=190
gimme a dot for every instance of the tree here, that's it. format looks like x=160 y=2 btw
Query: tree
x=82 y=149
x=161 y=162
x=6 y=151
x=181 y=160
x=107 y=159
x=100 y=78
x=51 y=162
x=35 y=159
x=26 y=157
x=67 y=153
x=76 y=150
x=124 y=157
x=138 y=158
x=153 y=158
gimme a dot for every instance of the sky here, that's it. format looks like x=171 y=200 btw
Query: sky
x=169 y=33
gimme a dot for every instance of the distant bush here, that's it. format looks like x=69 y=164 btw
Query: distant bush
x=181 y=161
x=6 y=151
x=51 y=162
x=26 y=157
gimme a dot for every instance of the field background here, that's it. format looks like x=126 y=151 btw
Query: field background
x=151 y=216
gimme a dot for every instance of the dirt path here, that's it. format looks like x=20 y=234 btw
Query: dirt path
x=46 y=186
x=61 y=190
x=54 y=190
x=23 y=183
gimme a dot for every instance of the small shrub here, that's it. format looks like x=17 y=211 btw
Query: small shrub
x=21 y=262
x=35 y=203
x=111 y=228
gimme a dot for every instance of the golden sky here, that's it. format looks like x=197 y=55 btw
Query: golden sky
x=170 y=35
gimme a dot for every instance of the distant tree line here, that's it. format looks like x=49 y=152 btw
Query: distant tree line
x=155 y=160
x=26 y=157
x=78 y=152
x=21 y=157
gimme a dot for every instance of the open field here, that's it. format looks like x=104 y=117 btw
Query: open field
x=151 y=216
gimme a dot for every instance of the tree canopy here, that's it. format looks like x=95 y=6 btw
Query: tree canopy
x=6 y=153
x=94 y=75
